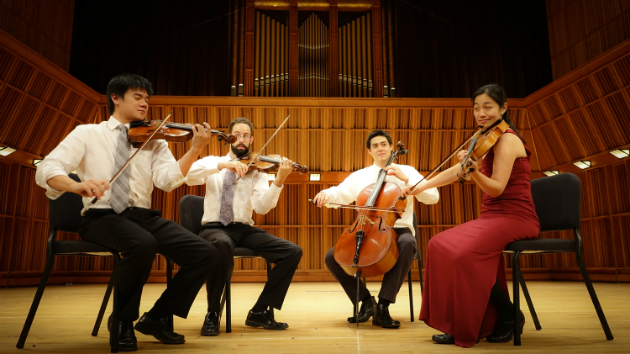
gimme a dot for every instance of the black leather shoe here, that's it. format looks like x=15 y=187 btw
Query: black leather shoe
x=443 y=338
x=504 y=330
x=211 y=324
x=127 y=341
x=264 y=319
x=383 y=319
x=160 y=329
x=365 y=312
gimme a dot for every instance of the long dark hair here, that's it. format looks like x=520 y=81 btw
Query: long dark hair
x=497 y=93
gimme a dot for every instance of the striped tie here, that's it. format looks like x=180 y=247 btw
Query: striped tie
x=120 y=188
x=226 y=213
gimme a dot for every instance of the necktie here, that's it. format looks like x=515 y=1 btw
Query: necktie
x=226 y=214
x=119 y=199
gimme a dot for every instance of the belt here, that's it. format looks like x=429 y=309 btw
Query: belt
x=217 y=223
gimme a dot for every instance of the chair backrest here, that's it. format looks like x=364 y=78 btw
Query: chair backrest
x=557 y=201
x=64 y=213
x=191 y=212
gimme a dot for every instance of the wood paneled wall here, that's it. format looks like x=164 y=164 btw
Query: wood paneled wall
x=328 y=136
x=580 y=30
x=45 y=26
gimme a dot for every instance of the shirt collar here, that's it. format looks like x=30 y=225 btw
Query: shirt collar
x=113 y=123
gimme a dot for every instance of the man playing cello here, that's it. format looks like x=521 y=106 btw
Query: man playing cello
x=379 y=145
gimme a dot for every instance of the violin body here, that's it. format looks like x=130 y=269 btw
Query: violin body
x=268 y=163
x=488 y=139
x=173 y=132
x=379 y=249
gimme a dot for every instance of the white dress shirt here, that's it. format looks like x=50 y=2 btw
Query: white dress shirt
x=251 y=193
x=89 y=149
x=348 y=190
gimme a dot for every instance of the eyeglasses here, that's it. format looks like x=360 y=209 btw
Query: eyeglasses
x=244 y=136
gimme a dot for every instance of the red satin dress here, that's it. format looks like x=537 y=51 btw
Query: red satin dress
x=463 y=263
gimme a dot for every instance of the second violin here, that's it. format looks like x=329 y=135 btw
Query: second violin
x=173 y=132
x=268 y=163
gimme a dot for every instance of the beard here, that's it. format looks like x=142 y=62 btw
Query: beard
x=239 y=153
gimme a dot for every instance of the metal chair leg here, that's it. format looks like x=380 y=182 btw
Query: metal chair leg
x=101 y=312
x=113 y=333
x=516 y=274
x=530 y=304
x=35 y=305
x=268 y=272
x=410 y=295
x=420 y=273
x=594 y=299
x=169 y=277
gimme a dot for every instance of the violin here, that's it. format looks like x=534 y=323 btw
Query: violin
x=139 y=132
x=268 y=163
x=368 y=247
x=480 y=144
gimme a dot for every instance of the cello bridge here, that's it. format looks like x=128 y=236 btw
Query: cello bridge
x=364 y=218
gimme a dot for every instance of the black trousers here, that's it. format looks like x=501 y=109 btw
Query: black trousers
x=138 y=234
x=284 y=254
x=392 y=280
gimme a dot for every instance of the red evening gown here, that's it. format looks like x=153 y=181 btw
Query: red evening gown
x=463 y=263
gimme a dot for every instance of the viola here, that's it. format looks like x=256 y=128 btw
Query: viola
x=480 y=145
x=174 y=132
x=369 y=246
x=267 y=163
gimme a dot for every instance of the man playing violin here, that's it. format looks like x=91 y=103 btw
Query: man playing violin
x=379 y=145
x=120 y=219
x=232 y=193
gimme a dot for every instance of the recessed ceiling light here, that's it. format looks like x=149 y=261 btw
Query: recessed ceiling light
x=314 y=177
x=620 y=153
x=6 y=150
x=271 y=176
x=551 y=173
x=582 y=164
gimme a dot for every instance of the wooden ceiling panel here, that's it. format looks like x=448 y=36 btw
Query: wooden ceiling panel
x=585 y=131
x=552 y=107
x=21 y=75
x=606 y=80
x=569 y=134
x=587 y=90
x=569 y=99
x=619 y=107
x=622 y=68
x=547 y=160
x=537 y=116
x=40 y=86
x=602 y=121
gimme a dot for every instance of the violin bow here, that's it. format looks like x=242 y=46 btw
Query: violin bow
x=267 y=142
x=135 y=153
x=355 y=207
x=474 y=135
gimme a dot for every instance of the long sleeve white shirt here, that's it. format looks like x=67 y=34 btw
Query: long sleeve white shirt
x=90 y=151
x=348 y=190
x=251 y=193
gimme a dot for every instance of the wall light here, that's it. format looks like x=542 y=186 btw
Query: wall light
x=6 y=150
x=314 y=177
x=271 y=176
x=37 y=161
x=582 y=164
x=620 y=153
x=551 y=173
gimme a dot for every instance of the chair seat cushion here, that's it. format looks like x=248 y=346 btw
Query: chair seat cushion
x=543 y=245
x=80 y=247
x=240 y=252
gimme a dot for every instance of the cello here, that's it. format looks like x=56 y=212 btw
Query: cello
x=368 y=247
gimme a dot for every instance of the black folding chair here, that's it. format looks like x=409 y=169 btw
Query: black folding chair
x=64 y=214
x=557 y=202
x=190 y=215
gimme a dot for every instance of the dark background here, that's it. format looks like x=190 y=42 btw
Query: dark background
x=443 y=48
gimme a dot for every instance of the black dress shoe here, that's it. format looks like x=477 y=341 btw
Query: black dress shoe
x=160 y=329
x=383 y=319
x=365 y=312
x=264 y=319
x=127 y=341
x=504 y=330
x=211 y=324
x=443 y=338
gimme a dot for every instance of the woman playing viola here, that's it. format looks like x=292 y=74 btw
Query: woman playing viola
x=465 y=286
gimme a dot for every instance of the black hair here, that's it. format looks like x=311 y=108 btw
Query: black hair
x=497 y=93
x=241 y=120
x=376 y=133
x=121 y=83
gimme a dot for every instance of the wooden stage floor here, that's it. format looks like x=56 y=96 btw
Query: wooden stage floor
x=316 y=313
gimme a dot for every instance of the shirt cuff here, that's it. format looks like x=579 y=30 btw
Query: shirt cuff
x=52 y=193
